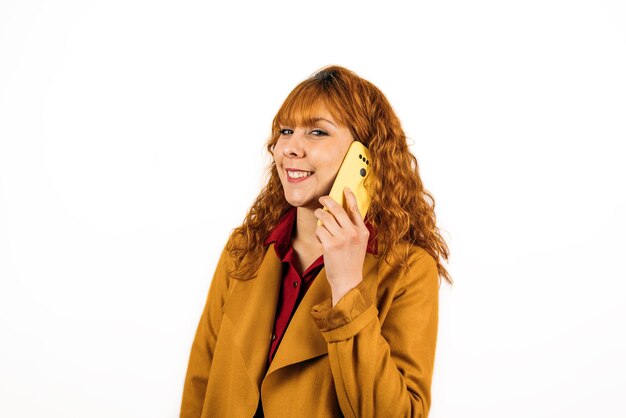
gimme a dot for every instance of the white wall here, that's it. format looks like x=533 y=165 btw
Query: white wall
x=131 y=143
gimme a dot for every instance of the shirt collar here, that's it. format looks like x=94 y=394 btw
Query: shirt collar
x=281 y=234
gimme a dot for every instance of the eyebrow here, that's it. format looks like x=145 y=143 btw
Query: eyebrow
x=326 y=120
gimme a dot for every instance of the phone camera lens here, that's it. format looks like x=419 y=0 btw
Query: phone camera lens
x=363 y=172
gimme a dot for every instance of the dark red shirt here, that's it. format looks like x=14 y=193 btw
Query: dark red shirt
x=294 y=286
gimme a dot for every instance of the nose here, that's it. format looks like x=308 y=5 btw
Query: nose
x=294 y=147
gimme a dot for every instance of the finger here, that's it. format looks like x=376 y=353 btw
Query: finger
x=323 y=236
x=343 y=220
x=353 y=208
x=328 y=220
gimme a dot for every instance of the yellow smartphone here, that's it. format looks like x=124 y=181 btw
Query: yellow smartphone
x=355 y=172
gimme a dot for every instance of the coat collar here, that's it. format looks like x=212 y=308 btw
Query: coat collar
x=251 y=308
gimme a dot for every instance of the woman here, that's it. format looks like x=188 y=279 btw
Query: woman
x=333 y=320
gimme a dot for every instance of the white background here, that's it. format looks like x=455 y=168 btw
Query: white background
x=131 y=144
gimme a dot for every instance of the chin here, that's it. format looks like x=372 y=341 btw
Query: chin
x=304 y=202
x=305 y=197
x=299 y=203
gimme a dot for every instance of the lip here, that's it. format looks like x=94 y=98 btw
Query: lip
x=301 y=179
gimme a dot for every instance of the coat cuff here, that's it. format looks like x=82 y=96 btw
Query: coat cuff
x=348 y=317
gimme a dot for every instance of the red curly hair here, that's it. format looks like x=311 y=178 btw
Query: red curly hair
x=401 y=209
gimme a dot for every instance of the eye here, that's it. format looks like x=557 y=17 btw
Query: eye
x=318 y=132
x=286 y=131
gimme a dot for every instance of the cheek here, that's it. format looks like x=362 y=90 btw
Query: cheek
x=277 y=154
x=278 y=164
x=276 y=157
x=333 y=165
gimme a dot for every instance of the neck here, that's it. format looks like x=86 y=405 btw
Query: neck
x=306 y=223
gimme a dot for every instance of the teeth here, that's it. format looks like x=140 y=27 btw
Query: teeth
x=299 y=174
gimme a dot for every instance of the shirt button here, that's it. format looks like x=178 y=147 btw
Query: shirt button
x=273 y=337
x=295 y=284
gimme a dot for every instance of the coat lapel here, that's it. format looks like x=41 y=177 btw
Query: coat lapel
x=302 y=339
x=251 y=308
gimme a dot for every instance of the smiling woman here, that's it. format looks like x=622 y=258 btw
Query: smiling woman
x=337 y=319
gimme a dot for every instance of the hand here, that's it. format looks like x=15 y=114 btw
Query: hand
x=344 y=238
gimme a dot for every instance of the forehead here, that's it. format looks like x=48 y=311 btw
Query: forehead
x=307 y=111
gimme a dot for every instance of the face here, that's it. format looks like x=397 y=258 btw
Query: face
x=315 y=152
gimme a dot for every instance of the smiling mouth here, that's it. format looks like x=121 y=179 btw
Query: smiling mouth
x=299 y=174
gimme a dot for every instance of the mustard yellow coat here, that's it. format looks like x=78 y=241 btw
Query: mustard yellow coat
x=371 y=355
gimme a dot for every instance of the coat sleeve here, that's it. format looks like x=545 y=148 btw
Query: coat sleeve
x=384 y=371
x=203 y=345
